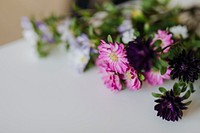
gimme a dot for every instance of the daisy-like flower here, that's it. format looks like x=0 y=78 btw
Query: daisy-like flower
x=140 y=54
x=179 y=31
x=185 y=67
x=170 y=106
x=131 y=79
x=165 y=37
x=114 y=55
x=128 y=36
x=112 y=81
x=155 y=77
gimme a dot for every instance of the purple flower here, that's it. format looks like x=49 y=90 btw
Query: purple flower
x=140 y=55
x=47 y=35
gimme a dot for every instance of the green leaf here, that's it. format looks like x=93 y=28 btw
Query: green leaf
x=191 y=86
x=118 y=39
x=162 y=90
x=184 y=88
x=91 y=31
x=163 y=70
x=187 y=95
x=109 y=38
x=163 y=63
x=141 y=77
x=188 y=103
x=137 y=34
x=156 y=95
x=176 y=89
x=157 y=43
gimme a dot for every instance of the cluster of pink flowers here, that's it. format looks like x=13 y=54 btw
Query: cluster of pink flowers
x=115 y=68
x=116 y=71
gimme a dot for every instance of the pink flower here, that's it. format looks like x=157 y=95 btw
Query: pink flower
x=112 y=81
x=114 y=55
x=131 y=79
x=165 y=37
x=155 y=77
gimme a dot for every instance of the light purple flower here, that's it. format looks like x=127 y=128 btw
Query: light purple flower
x=126 y=25
x=155 y=77
x=47 y=35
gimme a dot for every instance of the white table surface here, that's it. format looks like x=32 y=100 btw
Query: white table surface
x=48 y=96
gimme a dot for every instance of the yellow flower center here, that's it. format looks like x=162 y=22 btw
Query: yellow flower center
x=128 y=75
x=113 y=57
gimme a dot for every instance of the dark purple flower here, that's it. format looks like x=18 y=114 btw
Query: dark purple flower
x=170 y=107
x=185 y=67
x=140 y=54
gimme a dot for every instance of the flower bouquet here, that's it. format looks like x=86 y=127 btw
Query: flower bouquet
x=132 y=43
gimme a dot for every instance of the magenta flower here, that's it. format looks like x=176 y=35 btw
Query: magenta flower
x=114 y=55
x=165 y=37
x=112 y=81
x=131 y=79
x=155 y=77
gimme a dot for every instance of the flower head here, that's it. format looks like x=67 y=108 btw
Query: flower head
x=47 y=35
x=128 y=36
x=112 y=81
x=179 y=31
x=165 y=37
x=185 y=67
x=80 y=57
x=114 y=55
x=155 y=77
x=131 y=79
x=140 y=55
x=170 y=106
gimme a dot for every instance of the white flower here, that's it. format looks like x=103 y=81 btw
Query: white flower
x=28 y=31
x=80 y=58
x=66 y=35
x=126 y=25
x=30 y=36
x=179 y=31
x=128 y=36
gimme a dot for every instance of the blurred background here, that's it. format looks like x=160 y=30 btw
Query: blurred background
x=11 y=12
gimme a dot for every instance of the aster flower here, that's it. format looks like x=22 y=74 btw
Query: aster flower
x=179 y=31
x=114 y=55
x=155 y=78
x=170 y=105
x=140 y=55
x=185 y=67
x=112 y=81
x=165 y=37
x=128 y=36
x=131 y=79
